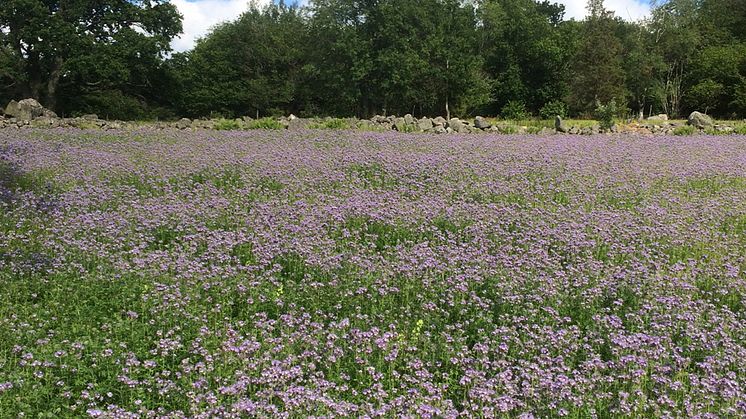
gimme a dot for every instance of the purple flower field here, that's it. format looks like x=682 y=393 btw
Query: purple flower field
x=329 y=273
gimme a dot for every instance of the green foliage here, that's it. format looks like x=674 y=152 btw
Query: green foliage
x=244 y=67
x=514 y=110
x=226 y=124
x=684 y=130
x=552 y=109
x=71 y=54
x=265 y=123
x=605 y=113
x=598 y=74
x=349 y=58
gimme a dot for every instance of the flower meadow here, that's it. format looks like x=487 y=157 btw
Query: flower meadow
x=204 y=274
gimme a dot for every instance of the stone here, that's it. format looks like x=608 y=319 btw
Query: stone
x=439 y=129
x=481 y=123
x=297 y=123
x=546 y=131
x=559 y=125
x=45 y=122
x=660 y=117
x=439 y=121
x=25 y=110
x=409 y=119
x=48 y=113
x=700 y=120
x=455 y=125
x=425 y=124
x=184 y=123
x=399 y=124
x=90 y=117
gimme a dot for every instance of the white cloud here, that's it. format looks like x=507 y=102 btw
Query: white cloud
x=201 y=15
x=626 y=9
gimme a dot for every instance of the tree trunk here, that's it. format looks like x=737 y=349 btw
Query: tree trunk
x=52 y=83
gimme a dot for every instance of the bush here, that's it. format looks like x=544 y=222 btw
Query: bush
x=605 y=114
x=514 y=110
x=684 y=130
x=265 y=123
x=226 y=124
x=552 y=109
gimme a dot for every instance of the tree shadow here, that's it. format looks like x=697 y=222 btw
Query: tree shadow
x=10 y=175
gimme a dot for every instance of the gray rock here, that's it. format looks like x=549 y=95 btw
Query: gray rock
x=547 y=131
x=184 y=123
x=726 y=129
x=700 y=120
x=425 y=124
x=90 y=117
x=559 y=125
x=455 y=125
x=660 y=117
x=481 y=123
x=439 y=129
x=297 y=123
x=399 y=124
x=25 y=110
x=409 y=119
x=439 y=121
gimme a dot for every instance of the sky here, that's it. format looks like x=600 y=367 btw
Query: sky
x=201 y=15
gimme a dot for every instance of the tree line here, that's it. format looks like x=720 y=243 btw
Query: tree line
x=513 y=58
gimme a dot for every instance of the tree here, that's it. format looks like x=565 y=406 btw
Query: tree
x=247 y=67
x=598 y=72
x=527 y=48
x=81 y=46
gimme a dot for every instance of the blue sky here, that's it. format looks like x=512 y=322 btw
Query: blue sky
x=201 y=15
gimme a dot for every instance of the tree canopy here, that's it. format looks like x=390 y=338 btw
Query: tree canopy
x=353 y=57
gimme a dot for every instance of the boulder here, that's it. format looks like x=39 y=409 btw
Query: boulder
x=90 y=117
x=409 y=119
x=481 y=123
x=660 y=117
x=184 y=123
x=439 y=121
x=399 y=124
x=48 y=113
x=25 y=110
x=559 y=125
x=295 y=123
x=546 y=131
x=700 y=120
x=439 y=129
x=455 y=125
x=425 y=124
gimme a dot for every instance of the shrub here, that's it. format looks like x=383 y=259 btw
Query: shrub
x=226 y=124
x=605 y=114
x=514 y=110
x=552 y=109
x=265 y=123
x=684 y=130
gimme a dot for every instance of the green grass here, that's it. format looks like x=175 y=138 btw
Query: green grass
x=265 y=123
x=333 y=123
x=226 y=124
x=684 y=130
